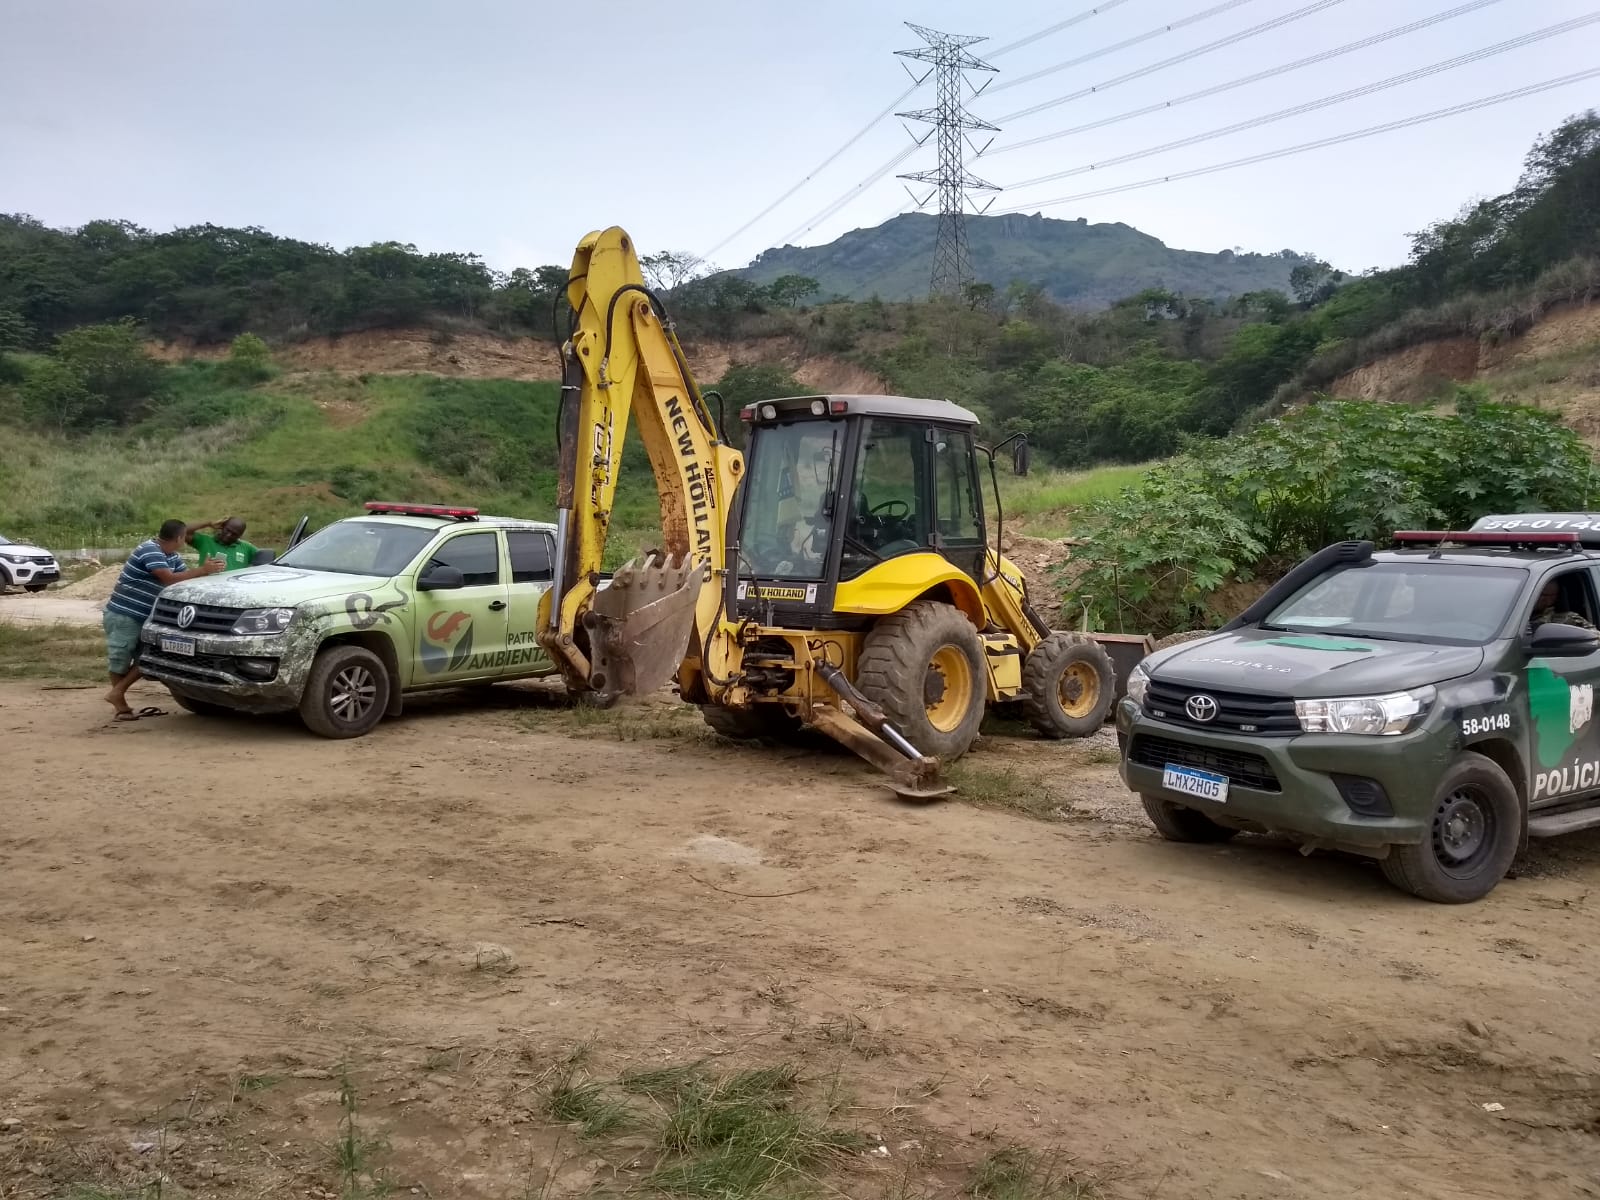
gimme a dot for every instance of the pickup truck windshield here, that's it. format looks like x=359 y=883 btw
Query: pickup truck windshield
x=381 y=548
x=1441 y=603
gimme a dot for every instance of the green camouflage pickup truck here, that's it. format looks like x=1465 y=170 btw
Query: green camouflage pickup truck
x=1431 y=706
x=406 y=598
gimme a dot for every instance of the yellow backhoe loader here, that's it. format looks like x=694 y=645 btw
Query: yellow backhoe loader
x=837 y=575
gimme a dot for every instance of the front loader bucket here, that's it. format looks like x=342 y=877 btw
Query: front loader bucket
x=640 y=623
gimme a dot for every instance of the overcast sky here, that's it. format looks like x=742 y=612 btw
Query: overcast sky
x=511 y=127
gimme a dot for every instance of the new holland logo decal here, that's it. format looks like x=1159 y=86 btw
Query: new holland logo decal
x=773 y=591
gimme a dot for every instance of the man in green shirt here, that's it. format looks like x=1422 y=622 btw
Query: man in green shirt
x=228 y=542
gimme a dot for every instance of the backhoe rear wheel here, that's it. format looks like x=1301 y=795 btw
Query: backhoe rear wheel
x=751 y=724
x=1068 y=684
x=924 y=667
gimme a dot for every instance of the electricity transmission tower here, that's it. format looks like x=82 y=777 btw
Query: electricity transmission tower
x=952 y=182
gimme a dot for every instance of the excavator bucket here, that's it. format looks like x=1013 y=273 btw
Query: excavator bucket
x=640 y=623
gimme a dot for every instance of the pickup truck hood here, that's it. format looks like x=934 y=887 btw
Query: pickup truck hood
x=1310 y=665
x=273 y=586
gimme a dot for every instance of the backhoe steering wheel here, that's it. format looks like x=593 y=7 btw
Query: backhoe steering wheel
x=883 y=509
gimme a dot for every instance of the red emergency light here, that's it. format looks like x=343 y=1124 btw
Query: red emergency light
x=452 y=511
x=1488 y=538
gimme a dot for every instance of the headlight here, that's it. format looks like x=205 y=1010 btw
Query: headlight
x=263 y=620
x=16 y=558
x=1138 y=685
x=1380 y=716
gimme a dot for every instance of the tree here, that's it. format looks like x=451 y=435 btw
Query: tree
x=113 y=368
x=54 y=396
x=1314 y=281
x=978 y=295
x=792 y=290
x=15 y=333
x=669 y=269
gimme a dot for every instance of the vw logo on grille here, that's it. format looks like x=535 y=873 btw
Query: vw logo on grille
x=186 y=619
x=1201 y=708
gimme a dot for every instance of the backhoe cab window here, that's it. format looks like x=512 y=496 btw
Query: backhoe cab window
x=886 y=517
x=787 y=520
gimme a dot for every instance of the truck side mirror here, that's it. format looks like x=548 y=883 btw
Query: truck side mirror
x=1555 y=640
x=262 y=557
x=441 y=579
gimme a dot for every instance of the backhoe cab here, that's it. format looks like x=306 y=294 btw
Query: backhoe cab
x=838 y=575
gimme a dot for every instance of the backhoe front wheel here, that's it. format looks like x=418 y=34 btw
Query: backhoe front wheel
x=924 y=667
x=1068 y=684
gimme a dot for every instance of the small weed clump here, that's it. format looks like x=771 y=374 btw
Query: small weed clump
x=1018 y=1174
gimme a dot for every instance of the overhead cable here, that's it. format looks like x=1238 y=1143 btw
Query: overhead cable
x=849 y=196
x=1371 y=131
x=1242 y=81
x=1283 y=114
x=1137 y=39
x=1106 y=6
x=827 y=162
x=1232 y=39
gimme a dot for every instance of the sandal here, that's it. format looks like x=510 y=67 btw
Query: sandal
x=152 y=711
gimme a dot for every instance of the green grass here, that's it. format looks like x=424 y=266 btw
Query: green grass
x=587 y=1106
x=1042 y=504
x=59 y=653
x=1019 y=1174
x=314 y=444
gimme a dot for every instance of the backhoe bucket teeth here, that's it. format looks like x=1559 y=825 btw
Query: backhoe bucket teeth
x=640 y=623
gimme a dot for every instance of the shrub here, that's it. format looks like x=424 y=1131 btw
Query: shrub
x=1159 y=553
x=249 y=361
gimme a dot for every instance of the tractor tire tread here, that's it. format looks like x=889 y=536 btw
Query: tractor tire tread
x=1041 y=673
x=894 y=661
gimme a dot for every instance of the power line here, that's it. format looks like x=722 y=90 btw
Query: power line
x=848 y=196
x=1232 y=39
x=824 y=164
x=1107 y=6
x=1356 y=135
x=1137 y=39
x=1217 y=89
x=1356 y=93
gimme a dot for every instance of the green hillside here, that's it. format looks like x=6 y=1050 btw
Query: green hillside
x=313 y=444
x=1073 y=261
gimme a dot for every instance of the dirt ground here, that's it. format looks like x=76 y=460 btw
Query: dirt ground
x=201 y=920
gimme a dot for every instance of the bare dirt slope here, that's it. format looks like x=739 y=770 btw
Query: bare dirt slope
x=450 y=904
x=1554 y=365
x=482 y=355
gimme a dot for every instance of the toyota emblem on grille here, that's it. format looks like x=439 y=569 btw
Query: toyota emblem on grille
x=186 y=619
x=1201 y=708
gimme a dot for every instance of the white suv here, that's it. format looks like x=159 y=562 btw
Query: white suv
x=25 y=566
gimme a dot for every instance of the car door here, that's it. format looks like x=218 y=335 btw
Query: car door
x=531 y=554
x=1564 y=737
x=461 y=631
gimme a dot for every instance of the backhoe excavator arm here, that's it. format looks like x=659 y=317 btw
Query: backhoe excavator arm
x=634 y=633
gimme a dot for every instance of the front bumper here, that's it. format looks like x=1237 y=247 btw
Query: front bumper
x=31 y=572
x=1292 y=784
x=250 y=674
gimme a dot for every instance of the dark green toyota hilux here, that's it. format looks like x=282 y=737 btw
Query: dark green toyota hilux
x=1431 y=706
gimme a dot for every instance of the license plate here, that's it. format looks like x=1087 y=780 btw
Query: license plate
x=1195 y=783
x=178 y=645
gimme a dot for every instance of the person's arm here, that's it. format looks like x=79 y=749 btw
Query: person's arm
x=166 y=576
x=190 y=530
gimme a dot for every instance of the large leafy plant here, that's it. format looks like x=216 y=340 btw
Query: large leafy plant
x=1159 y=556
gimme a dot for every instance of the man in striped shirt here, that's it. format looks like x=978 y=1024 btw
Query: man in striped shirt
x=152 y=566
